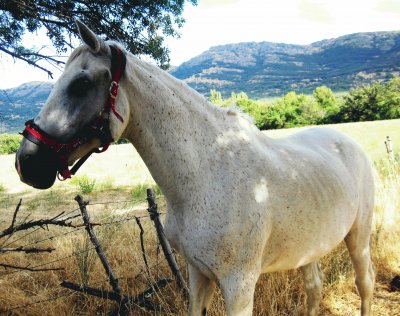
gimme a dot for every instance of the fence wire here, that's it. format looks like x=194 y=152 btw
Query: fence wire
x=76 y=231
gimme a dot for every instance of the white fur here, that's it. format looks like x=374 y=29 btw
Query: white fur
x=239 y=203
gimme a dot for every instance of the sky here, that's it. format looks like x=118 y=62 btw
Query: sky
x=218 y=22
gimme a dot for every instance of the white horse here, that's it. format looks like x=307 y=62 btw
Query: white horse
x=239 y=203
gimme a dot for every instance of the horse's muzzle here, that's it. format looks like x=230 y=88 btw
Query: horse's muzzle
x=36 y=165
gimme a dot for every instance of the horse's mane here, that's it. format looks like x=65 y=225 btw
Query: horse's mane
x=84 y=48
x=231 y=110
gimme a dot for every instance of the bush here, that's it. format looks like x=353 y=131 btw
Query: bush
x=255 y=109
x=378 y=101
x=9 y=144
x=294 y=110
x=139 y=192
x=85 y=184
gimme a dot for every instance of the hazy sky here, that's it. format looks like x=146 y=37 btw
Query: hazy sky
x=217 y=22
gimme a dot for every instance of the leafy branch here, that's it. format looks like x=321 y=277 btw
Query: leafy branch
x=140 y=25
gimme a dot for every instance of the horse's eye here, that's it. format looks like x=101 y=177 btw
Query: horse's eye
x=80 y=86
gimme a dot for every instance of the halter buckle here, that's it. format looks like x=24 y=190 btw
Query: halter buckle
x=114 y=89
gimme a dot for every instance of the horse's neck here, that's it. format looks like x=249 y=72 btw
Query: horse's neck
x=172 y=127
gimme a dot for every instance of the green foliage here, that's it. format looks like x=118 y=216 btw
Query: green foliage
x=215 y=96
x=84 y=183
x=121 y=141
x=140 y=25
x=328 y=103
x=291 y=110
x=255 y=109
x=139 y=192
x=9 y=144
x=295 y=110
x=377 y=101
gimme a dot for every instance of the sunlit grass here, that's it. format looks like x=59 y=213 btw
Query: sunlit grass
x=276 y=294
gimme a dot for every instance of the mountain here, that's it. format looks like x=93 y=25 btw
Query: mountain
x=260 y=69
x=17 y=105
x=271 y=69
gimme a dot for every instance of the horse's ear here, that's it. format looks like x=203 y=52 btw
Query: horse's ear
x=88 y=37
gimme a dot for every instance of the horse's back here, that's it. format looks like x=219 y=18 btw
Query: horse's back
x=331 y=147
x=343 y=155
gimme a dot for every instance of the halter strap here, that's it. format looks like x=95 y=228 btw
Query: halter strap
x=99 y=127
x=118 y=63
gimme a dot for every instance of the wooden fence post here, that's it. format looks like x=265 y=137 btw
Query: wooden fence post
x=389 y=148
x=168 y=253
x=124 y=304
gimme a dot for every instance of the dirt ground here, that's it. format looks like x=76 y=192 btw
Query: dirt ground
x=122 y=166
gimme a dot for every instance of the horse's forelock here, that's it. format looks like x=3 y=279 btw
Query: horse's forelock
x=76 y=53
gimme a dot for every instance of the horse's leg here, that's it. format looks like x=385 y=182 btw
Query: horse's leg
x=313 y=279
x=357 y=242
x=201 y=291
x=238 y=292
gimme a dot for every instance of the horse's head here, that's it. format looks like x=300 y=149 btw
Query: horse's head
x=78 y=117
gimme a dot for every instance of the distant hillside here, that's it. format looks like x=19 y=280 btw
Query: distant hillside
x=272 y=69
x=259 y=69
x=19 y=104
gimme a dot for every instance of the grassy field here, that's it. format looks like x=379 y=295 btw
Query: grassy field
x=115 y=184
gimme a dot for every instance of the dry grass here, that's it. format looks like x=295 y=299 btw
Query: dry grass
x=38 y=293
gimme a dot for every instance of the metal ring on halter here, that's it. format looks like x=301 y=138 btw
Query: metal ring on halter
x=116 y=85
x=60 y=177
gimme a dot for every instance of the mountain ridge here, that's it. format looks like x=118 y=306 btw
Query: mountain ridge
x=21 y=103
x=261 y=69
x=264 y=69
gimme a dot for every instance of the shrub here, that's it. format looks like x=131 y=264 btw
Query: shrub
x=139 y=192
x=378 y=101
x=85 y=184
x=294 y=110
x=9 y=144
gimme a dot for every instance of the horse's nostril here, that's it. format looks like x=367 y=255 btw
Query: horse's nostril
x=24 y=157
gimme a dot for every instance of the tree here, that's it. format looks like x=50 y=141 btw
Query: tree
x=390 y=102
x=377 y=101
x=328 y=103
x=215 y=96
x=325 y=97
x=295 y=110
x=140 y=25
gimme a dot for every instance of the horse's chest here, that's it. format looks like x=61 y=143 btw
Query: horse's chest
x=217 y=238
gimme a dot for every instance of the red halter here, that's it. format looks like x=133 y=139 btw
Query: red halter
x=99 y=128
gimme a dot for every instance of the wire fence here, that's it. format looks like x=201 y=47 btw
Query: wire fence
x=149 y=269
